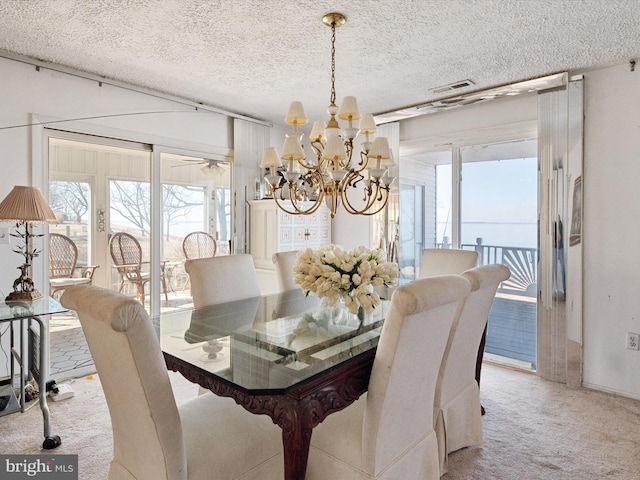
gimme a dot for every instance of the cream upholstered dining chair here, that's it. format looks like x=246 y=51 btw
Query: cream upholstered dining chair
x=443 y=261
x=222 y=279
x=284 y=262
x=206 y=437
x=388 y=432
x=458 y=409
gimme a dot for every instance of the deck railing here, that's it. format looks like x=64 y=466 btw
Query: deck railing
x=512 y=322
x=522 y=261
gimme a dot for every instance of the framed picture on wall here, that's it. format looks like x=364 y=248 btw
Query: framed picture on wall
x=575 y=234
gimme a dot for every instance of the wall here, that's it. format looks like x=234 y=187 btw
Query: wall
x=611 y=230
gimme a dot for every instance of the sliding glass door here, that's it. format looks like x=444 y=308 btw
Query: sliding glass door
x=100 y=187
x=481 y=197
x=196 y=197
x=498 y=219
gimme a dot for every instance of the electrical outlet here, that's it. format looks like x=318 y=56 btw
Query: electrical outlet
x=632 y=341
x=4 y=236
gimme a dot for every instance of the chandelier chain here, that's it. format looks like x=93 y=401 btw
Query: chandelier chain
x=333 y=63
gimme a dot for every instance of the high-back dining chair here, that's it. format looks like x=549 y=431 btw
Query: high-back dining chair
x=222 y=279
x=445 y=261
x=206 y=437
x=63 y=258
x=284 y=262
x=388 y=432
x=127 y=258
x=459 y=418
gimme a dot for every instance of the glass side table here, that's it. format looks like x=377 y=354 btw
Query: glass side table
x=29 y=339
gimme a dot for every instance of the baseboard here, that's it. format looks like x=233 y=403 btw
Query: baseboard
x=507 y=362
x=612 y=391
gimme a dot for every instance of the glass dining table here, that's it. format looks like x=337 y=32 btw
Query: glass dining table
x=288 y=356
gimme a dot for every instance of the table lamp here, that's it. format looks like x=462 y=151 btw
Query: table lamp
x=25 y=205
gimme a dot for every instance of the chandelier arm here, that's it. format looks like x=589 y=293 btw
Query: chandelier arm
x=381 y=189
x=348 y=145
x=313 y=178
x=353 y=178
x=348 y=206
x=364 y=159
x=318 y=148
x=383 y=199
x=315 y=169
x=377 y=210
x=294 y=203
x=381 y=195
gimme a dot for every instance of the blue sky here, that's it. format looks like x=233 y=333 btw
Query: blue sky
x=503 y=191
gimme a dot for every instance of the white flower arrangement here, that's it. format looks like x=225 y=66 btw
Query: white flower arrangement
x=333 y=273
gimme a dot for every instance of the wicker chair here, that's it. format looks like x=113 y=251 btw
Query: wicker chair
x=198 y=245
x=63 y=269
x=127 y=258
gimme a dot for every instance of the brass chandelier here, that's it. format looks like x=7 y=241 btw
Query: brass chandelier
x=300 y=185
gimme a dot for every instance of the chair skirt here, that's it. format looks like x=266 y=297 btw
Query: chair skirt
x=336 y=455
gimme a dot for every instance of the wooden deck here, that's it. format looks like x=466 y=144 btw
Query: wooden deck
x=512 y=331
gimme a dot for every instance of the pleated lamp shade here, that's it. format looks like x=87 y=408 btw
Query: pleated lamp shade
x=270 y=158
x=367 y=124
x=296 y=114
x=349 y=109
x=334 y=150
x=26 y=204
x=380 y=149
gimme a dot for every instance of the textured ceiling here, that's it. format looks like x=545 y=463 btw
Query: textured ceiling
x=253 y=57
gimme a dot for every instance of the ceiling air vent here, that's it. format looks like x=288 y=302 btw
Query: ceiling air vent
x=453 y=86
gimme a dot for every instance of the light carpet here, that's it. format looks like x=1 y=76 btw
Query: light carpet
x=533 y=429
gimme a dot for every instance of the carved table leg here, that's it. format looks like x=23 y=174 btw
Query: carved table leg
x=297 y=421
x=296 y=452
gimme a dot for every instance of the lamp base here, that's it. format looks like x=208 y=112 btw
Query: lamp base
x=23 y=296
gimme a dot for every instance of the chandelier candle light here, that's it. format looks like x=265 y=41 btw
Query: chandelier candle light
x=361 y=185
